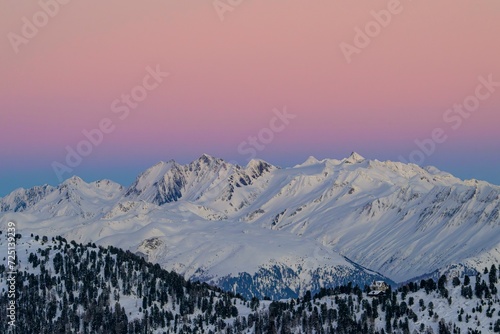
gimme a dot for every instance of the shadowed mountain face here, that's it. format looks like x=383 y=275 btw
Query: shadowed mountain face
x=240 y=226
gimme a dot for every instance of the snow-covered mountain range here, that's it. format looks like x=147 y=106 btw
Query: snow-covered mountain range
x=265 y=230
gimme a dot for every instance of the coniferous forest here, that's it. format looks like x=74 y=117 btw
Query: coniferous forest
x=65 y=287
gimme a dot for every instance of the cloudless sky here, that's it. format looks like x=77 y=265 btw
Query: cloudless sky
x=227 y=76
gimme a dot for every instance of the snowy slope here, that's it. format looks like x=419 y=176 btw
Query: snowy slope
x=238 y=257
x=68 y=287
x=73 y=197
x=72 y=279
x=210 y=219
x=21 y=198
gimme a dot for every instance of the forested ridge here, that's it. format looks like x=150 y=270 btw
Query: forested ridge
x=65 y=287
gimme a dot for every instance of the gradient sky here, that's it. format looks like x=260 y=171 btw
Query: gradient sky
x=227 y=76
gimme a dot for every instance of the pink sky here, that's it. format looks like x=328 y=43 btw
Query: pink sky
x=226 y=78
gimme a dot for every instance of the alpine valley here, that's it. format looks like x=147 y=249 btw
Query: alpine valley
x=261 y=230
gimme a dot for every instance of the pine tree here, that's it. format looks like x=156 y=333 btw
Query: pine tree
x=493 y=274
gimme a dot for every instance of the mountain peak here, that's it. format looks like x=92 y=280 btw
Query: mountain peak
x=354 y=158
x=157 y=170
x=255 y=163
x=154 y=173
x=74 y=180
x=258 y=164
x=310 y=161
x=208 y=160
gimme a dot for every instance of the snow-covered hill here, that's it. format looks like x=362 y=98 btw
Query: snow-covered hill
x=65 y=287
x=214 y=220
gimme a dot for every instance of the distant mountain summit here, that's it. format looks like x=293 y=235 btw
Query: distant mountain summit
x=354 y=158
x=269 y=230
